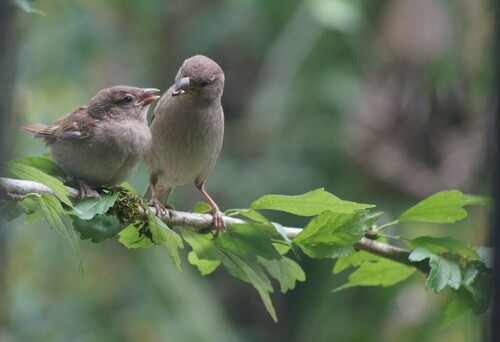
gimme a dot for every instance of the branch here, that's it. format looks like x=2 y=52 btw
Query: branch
x=15 y=189
x=390 y=252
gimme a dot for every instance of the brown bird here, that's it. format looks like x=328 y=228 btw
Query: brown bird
x=102 y=143
x=187 y=130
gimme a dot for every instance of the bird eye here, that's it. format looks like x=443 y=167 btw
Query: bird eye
x=127 y=99
x=204 y=84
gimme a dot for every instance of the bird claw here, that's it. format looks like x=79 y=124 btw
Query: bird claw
x=218 y=222
x=160 y=209
x=87 y=192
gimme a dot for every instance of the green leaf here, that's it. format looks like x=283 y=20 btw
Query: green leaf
x=97 y=229
x=55 y=216
x=355 y=259
x=331 y=235
x=163 y=235
x=26 y=6
x=372 y=270
x=248 y=238
x=480 y=289
x=248 y=213
x=458 y=306
x=30 y=173
x=247 y=269
x=443 y=207
x=443 y=271
x=443 y=245
x=201 y=208
x=31 y=208
x=204 y=266
x=9 y=210
x=486 y=255
x=90 y=207
x=242 y=266
x=43 y=164
x=202 y=245
x=309 y=204
x=266 y=225
x=286 y=271
x=131 y=237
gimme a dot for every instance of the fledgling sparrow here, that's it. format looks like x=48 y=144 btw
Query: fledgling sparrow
x=102 y=143
x=187 y=130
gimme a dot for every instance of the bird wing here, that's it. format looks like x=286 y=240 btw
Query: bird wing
x=76 y=125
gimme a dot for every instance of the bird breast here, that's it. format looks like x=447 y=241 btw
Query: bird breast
x=186 y=143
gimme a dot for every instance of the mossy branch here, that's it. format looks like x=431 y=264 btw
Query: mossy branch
x=15 y=189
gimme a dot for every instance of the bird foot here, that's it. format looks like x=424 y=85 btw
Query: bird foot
x=87 y=192
x=218 y=222
x=160 y=209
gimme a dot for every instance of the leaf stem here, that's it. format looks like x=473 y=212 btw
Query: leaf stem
x=392 y=223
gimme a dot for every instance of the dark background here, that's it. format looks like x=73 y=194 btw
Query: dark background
x=379 y=102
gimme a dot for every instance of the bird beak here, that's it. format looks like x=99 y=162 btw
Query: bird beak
x=181 y=86
x=147 y=96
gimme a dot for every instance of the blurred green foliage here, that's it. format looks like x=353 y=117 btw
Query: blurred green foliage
x=303 y=81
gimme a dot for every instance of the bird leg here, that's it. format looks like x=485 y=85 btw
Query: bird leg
x=155 y=202
x=218 y=220
x=86 y=191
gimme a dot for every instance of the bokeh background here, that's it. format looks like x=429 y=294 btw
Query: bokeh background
x=380 y=102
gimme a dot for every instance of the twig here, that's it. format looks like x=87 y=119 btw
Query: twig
x=15 y=189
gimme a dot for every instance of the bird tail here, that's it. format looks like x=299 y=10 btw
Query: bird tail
x=38 y=130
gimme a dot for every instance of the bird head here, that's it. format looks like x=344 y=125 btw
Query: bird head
x=122 y=101
x=199 y=76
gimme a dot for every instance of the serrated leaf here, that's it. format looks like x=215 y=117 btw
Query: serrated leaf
x=355 y=259
x=97 y=229
x=163 y=235
x=378 y=272
x=480 y=289
x=443 y=207
x=271 y=227
x=54 y=214
x=286 y=271
x=486 y=255
x=331 y=235
x=130 y=237
x=248 y=238
x=443 y=271
x=443 y=245
x=242 y=266
x=371 y=270
x=250 y=214
x=30 y=207
x=10 y=210
x=204 y=266
x=202 y=245
x=43 y=164
x=89 y=207
x=30 y=173
x=458 y=306
x=201 y=208
x=247 y=269
x=309 y=204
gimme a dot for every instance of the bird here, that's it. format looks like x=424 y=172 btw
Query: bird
x=187 y=130
x=100 y=144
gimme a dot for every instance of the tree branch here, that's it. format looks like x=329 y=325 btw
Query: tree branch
x=390 y=252
x=15 y=189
